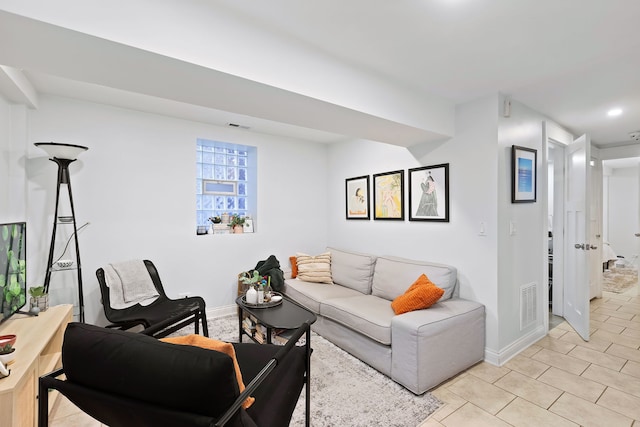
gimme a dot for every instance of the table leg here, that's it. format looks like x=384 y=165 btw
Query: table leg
x=240 y=325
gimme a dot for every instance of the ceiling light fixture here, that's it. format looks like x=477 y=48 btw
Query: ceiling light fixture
x=614 y=112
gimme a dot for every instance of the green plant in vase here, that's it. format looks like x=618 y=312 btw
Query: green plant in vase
x=39 y=299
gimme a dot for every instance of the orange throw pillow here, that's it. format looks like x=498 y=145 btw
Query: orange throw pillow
x=211 y=344
x=421 y=294
x=294 y=266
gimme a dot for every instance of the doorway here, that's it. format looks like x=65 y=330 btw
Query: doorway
x=555 y=232
x=621 y=216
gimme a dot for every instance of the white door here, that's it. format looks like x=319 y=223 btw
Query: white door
x=577 y=245
x=595 y=254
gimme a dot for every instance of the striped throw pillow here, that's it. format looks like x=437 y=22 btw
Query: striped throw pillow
x=314 y=268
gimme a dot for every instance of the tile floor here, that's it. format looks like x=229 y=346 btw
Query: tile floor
x=558 y=381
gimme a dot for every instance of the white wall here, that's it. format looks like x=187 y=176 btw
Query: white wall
x=5 y=157
x=622 y=211
x=13 y=203
x=473 y=175
x=135 y=185
x=522 y=257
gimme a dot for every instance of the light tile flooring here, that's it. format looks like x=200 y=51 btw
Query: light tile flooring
x=559 y=381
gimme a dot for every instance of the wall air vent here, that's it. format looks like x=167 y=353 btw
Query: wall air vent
x=236 y=125
x=528 y=305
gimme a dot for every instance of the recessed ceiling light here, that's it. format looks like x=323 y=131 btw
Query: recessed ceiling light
x=614 y=112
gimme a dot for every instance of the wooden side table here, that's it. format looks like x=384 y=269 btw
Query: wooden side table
x=38 y=352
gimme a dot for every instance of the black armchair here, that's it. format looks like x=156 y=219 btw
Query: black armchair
x=127 y=379
x=162 y=317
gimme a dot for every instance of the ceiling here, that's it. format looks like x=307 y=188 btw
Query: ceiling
x=390 y=71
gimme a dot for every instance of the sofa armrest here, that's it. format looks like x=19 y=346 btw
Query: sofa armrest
x=430 y=346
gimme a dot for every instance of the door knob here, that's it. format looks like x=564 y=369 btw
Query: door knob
x=579 y=245
x=637 y=234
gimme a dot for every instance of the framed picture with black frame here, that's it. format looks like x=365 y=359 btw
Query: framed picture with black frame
x=388 y=196
x=524 y=163
x=357 y=197
x=429 y=193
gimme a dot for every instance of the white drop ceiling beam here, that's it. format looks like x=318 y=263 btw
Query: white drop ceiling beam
x=16 y=88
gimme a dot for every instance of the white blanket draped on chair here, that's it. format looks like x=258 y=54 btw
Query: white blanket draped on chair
x=129 y=284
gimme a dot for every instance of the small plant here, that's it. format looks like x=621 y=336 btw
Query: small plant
x=37 y=291
x=215 y=219
x=236 y=220
x=251 y=278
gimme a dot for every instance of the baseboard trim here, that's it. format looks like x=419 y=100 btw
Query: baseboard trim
x=226 y=310
x=510 y=351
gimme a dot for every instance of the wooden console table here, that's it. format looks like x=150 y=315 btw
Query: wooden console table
x=38 y=352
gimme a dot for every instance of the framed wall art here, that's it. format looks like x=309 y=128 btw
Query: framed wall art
x=388 y=195
x=357 y=197
x=429 y=193
x=523 y=174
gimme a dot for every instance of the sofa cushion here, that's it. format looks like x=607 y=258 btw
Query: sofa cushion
x=421 y=294
x=311 y=294
x=314 y=268
x=392 y=276
x=371 y=316
x=352 y=269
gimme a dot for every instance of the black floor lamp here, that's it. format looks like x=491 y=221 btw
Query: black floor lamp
x=63 y=155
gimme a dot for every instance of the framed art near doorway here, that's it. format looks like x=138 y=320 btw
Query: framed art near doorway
x=523 y=174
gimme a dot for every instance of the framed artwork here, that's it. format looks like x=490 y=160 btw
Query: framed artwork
x=248 y=225
x=523 y=174
x=388 y=195
x=357 y=197
x=429 y=193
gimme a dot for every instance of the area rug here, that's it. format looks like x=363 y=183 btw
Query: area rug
x=344 y=390
x=619 y=279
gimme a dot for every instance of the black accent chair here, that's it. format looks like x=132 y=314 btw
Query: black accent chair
x=160 y=318
x=126 y=379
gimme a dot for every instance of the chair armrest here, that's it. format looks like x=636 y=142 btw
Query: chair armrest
x=264 y=373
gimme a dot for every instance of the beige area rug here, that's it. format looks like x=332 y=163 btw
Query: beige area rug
x=619 y=279
x=344 y=390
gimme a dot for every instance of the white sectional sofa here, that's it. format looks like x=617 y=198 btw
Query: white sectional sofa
x=419 y=349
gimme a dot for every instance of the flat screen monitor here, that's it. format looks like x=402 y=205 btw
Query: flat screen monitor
x=13 y=268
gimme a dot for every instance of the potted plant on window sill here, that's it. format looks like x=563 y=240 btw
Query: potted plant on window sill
x=237 y=223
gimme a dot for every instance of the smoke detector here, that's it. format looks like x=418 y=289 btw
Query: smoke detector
x=635 y=135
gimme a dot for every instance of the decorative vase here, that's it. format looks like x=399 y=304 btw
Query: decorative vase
x=225 y=218
x=41 y=302
x=238 y=229
x=252 y=295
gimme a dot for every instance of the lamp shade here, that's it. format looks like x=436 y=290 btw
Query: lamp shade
x=62 y=151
